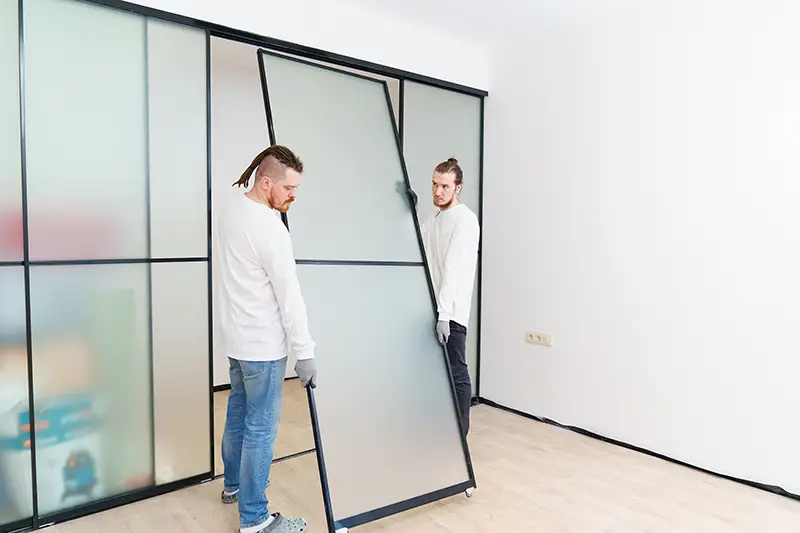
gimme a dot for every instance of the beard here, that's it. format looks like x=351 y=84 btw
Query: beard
x=444 y=203
x=280 y=207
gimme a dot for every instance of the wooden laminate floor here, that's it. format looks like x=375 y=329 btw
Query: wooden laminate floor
x=531 y=478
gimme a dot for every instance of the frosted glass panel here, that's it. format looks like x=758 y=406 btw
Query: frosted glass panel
x=438 y=124
x=10 y=178
x=91 y=362
x=386 y=412
x=341 y=127
x=176 y=62
x=180 y=370
x=16 y=495
x=86 y=132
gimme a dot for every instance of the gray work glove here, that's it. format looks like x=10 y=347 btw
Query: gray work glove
x=443 y=331
x=408 y=192
x=306 y=370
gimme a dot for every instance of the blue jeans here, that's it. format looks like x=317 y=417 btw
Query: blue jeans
x=248 y=444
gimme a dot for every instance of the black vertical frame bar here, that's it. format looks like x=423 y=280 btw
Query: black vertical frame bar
x=209 y=236
x=401 y=112
x=312 y=404
x=26 y=258
x=148 y=233
x=323 y=471
x=262 y=70
x=480 y=250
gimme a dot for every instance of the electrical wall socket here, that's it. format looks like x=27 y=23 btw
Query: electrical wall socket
x=541 y=339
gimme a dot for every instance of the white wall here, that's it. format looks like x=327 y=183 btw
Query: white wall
x=344 y=29
x=641 y=204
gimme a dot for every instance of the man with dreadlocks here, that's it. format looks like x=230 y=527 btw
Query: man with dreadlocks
x=263 y=320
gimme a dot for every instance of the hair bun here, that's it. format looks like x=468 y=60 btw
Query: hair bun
x=453 y=160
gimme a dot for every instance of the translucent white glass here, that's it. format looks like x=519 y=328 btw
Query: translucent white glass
x=386 y=411
x=392 y=83
x=439 y=124
x=351 y=204
x=180 y=370
x=86 y=131
x=10 y=177
x=16 y=496
x=176 y=74
x=91 y=364
x=238 y=133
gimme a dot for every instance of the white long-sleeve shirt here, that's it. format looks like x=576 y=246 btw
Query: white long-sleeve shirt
x=261 y=310
x=451 y=247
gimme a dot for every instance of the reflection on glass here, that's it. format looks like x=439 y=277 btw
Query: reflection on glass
x=10 y=178
x=90 y=343
x=15 y=458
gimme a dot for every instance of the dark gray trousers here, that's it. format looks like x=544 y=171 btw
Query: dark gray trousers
x=457 y=352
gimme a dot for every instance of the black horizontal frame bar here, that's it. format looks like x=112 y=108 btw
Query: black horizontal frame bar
x=218 y=30
x=11 y=263
x=283 y=55
x=294 y=455
x=355 y=262
x=403 y=506
x=118 y=501
x=154 y=260
x=754 y=484
x=227 y=387
x=279 y=459
x=20 y=525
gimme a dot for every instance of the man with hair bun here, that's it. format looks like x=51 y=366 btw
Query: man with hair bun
x=451 y=238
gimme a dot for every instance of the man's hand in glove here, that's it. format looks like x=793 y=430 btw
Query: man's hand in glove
x=306 y=370
x=443 y=331
x=408 y=193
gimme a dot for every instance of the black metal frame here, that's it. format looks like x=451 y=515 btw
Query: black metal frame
x=375 y=514
x=276 y=45
x=479 y=280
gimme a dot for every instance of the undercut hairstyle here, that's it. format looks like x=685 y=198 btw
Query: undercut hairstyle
x=272 y=162
x=451 y=165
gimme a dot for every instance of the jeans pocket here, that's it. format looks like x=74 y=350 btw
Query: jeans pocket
x=251 y=369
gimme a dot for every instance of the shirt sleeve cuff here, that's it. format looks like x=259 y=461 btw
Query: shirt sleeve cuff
x=308 y=353
x=445 y=317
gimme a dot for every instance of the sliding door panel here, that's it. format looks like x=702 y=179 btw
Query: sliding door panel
x=116 y=159
x=438 y=124
x=386 y=412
